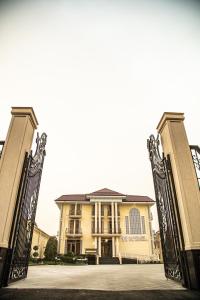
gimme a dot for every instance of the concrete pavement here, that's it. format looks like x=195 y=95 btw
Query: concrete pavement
x=101 y=277
x=113 y=282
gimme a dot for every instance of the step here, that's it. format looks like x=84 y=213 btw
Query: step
x=108 y=260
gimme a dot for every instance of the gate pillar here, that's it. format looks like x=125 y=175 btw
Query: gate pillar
x=175 y=143
x=18 y=142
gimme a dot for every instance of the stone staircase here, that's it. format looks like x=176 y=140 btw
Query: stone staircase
x=108 y=260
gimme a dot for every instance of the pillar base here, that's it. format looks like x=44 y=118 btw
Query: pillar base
x=5 y=255
x=192 y=258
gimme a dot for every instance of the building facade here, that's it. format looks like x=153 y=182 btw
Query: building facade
x=107 y=223
x=40 y=239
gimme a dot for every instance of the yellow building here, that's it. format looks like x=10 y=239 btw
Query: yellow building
x=40 y=239
x=158 y=246
x=107 y=223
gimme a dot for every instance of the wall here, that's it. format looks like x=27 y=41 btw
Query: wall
x=134 y=248
x=40 y=239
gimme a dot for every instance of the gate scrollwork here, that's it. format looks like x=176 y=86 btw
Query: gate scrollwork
x=168 y=214
x=25 y=211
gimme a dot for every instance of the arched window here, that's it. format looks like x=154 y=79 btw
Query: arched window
x=135 y=222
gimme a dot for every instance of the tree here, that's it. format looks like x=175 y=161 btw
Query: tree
x=51 y=248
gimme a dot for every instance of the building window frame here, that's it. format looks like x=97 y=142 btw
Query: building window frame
x=134 y=222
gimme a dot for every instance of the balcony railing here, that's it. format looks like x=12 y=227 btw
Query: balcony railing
x=69 y=231
x=74 y=213
x=195 y=151
x=106 y=231
x=110 y=214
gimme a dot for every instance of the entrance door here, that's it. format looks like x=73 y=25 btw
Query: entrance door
x=73 y=246
x=106 y=247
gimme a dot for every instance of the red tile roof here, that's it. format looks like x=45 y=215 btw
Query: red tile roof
x=73 y=197
x=104 y=192
x=134 y=198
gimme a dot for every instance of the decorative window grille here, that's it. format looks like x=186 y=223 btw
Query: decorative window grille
x=135 y=222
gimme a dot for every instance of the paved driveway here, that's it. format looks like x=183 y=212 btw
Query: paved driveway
x=101 y=277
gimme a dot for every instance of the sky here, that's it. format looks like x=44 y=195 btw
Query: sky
x=99 y=75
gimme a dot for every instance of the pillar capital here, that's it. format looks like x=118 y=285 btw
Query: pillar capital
x=25 y=111
x=169 y=116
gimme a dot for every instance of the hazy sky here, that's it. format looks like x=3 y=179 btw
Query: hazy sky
x=99 y=75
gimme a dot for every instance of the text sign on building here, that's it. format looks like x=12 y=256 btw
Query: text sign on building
x=127 y=238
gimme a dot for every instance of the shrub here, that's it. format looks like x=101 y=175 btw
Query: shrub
x=51 y=249
x=68 y=259
x=35 y=248
x=35 y=254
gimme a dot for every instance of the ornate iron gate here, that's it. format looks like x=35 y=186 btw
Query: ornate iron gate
x=168 y=213
x=24 y=219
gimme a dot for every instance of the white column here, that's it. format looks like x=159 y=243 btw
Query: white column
x=112 y=216
x=95 y=218
x=99 y=217
x=116 y=218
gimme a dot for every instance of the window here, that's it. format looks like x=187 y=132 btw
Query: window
x=75 y=209
x=102 y=210
x=74 y=226
x=135 y=224
x=78 y=209
x=109 y=226
x=109 y=210
x=72 y=209
x=74 y=246
x=93 y=210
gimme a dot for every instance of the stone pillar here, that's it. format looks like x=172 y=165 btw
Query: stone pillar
x=62 y=232
x=112 y=216
x=95 y=218
x=175 y=143
x=18 y=142
x=116 y=218
x=99 y=217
